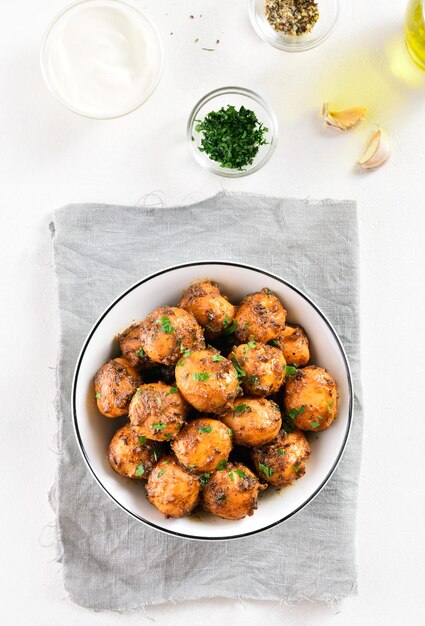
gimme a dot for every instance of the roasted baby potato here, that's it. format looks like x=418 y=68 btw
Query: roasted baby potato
x=311 y=398
x=282 y=461
x=132 y=456
x=207 y=380
x=157 y=411
x=168 y=332
x=293 y=342
x=115 y=384
x=260 y=317
x=232 y=493
x=263 y=366
x=202 y=445
x=210 y=308
x=171 y=489
x=131 y=346
x=253 y=421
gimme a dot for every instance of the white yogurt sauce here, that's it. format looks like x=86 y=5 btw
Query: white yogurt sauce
x=103 y=58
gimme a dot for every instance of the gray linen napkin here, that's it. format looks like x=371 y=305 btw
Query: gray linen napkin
x=110 y=561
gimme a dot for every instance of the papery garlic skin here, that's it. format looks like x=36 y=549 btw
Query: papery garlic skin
x=343 y=120
x=377 y=152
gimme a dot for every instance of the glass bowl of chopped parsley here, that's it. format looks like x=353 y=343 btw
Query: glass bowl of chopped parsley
x=232 y=132
x=294 y=25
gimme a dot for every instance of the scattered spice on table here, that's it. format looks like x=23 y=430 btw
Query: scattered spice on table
x=292 y=17
x=231 y=137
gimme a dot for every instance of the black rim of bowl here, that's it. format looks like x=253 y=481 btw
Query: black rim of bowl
x=218 y=263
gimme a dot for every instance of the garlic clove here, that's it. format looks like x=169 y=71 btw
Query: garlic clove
x=342 y=120
x=377 y=151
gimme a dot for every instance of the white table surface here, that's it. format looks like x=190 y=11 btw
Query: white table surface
x=50 y=157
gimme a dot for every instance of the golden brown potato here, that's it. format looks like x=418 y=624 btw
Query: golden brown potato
x=157 y=411
x=131 y=346
x=207 y=381
x=311 y=398
x=260 y=317
x=168 y=332
x=211 y=309
x=264 y=367
x=253 y=421
x=132 y=456
x=202 y=445
x=232 y=493
x=171 y=489
x=114 y=385
x=293 y=342
x=282 y=461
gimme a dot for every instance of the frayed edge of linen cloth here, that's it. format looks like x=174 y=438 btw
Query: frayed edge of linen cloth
x=330 y=600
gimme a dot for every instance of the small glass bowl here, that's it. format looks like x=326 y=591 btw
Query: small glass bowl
x=328 y=17
x=153 y=43
x=236 y=96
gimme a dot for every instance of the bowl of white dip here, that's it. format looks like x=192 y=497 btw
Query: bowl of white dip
x=101 y=58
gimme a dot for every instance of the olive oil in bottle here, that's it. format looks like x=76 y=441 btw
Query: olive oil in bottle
x=415 y=31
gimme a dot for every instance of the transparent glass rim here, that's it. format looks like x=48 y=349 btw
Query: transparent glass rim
x=210 y=165
x=298 y=45
x=62 y=100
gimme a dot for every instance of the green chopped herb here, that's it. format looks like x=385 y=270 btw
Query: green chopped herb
x=253 y=380
x=269 y=292
x=190 y=467
x=142 y=440
x=222 y=464
x=165 y=462
x=241 y=408
x=220 y=498
x=217 y=357
x=231 y=137
x=141 y=353
x=183 y=350
x=205 y=429
x=181 y=362
x=140 y=470
x=202 y=376
x=239 y=369
x=296 y=467
x=166 y=325
x=230 y=431
x=275 y=343
x=204 y=478
x=168 y=436
x=281 y=451
x=186 y=353
x=252 y=344
x=293 y=413
x=98 y=394
x=229 y=326
x=290 y=370
x=158 y=426
x=155 y=454
x=172 y=391
x=267 y=471
x=315 y=424
x=239 y=472
x=330 y=405
x=160 y=473
x=275 y=407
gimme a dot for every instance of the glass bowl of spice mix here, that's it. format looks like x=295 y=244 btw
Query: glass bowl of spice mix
x=294 y=25
x=232 y=132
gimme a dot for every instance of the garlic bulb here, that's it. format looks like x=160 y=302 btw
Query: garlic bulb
x=377 y=151
x=342 y=120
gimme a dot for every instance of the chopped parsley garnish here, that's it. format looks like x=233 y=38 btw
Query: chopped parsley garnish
x=141 y=353
x=254 y=380
x=140 y=470
x=267 y=471
x=222 y=464
x=229 y=326
x=239 y=369
x=168 y=436
x=204 y=478
x=98 y=394
x=239 y=472
x=186 y=353
x=296 y=467
x=275 y=407
x=241 y=408
x=269 y=292
x=315 y=423
x=202 y=376
x=190 y=467
x=158 y=426
x=142 y=440
x=230 y=431
x=290 y=370
x=220 y=497
x=330 y=405
x=281 y=451
x=160 y=473
x=293 y=413
x=166 y=325
x=205 y=429
x=155 y=454
x=217 y=357
x=231 y=136
x=275 y=343
x=172 y=391
x=181 y=362
x=252 y=344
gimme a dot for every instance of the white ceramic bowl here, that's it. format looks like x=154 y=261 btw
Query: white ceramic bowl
x=94 y=431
